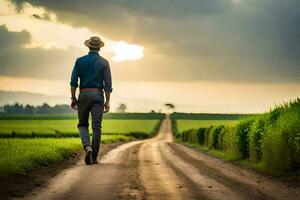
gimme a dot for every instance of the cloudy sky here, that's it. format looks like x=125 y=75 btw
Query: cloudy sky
x=203 y=56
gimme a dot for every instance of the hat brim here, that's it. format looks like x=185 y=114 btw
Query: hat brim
x=87 y=43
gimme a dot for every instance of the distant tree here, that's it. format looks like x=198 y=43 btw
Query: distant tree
x=29 y=109
x=7 y=108
x=170 y=106
x=122 y=108
x=14 y=109
x=2 y=110
x=62 y=109
x=44 y=109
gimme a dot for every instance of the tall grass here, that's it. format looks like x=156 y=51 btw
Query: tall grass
x=256 y=135
x=242 y=140
x=271 y=139
x=281 y=144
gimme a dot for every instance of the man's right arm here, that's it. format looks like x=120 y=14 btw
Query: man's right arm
x=107 y=87
x=107 y=102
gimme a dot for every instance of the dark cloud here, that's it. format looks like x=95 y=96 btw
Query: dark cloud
x=154 y=8
x=128 y=15
x=36 y=16
x=16 y=60
x=251 y=40
x=12 y=39
x=41 y=17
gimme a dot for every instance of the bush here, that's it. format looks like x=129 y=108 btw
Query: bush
x=275 y=114
x=229 y=141
x=242 y=130
x=182 y=136
x=221 y=138
x=256 y=135
x=272 y=139
x=139 y=135
x=281 y=144
x=201 y=135
x=196 y=136
x=193 y=137
x=214 y=135
x=206 y=135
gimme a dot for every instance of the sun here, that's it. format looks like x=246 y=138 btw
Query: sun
x=124 y=51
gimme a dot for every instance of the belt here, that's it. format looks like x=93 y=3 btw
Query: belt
x=91 y=90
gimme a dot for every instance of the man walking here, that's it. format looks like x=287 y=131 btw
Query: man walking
x=95 y=76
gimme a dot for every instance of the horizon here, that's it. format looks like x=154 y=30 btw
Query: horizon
x=114 y=110
x=233 y=56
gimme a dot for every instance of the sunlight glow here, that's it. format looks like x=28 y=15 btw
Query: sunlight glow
x=124 y=51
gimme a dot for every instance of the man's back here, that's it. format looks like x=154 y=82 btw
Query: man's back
x=93 y=72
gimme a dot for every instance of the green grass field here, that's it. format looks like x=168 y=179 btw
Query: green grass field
x=20 y=155
x=74 y=116
x=31 y=145
x=183 y=124
x=65 y=126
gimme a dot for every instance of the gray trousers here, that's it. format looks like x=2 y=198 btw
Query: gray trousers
x=90 y=102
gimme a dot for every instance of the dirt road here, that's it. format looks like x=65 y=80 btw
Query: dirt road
x=159 y=169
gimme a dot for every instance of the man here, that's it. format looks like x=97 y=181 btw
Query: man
x=95 y=76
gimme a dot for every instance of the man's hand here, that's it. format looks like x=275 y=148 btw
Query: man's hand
x=106 y=107
x=74 y=103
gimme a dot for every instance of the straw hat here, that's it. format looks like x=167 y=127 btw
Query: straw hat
x=94 y=42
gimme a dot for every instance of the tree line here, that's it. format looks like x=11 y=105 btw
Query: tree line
x=41 y=109
x=18 y=108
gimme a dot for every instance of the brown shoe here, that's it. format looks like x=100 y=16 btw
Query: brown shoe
x=88 y=155
x=95 y=161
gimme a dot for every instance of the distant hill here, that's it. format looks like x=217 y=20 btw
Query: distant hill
x=10 y=97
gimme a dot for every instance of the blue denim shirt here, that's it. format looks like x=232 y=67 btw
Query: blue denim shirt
x=93 y=72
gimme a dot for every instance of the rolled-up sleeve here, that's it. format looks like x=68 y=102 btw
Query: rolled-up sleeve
x=74 y=76
x=107 y=82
